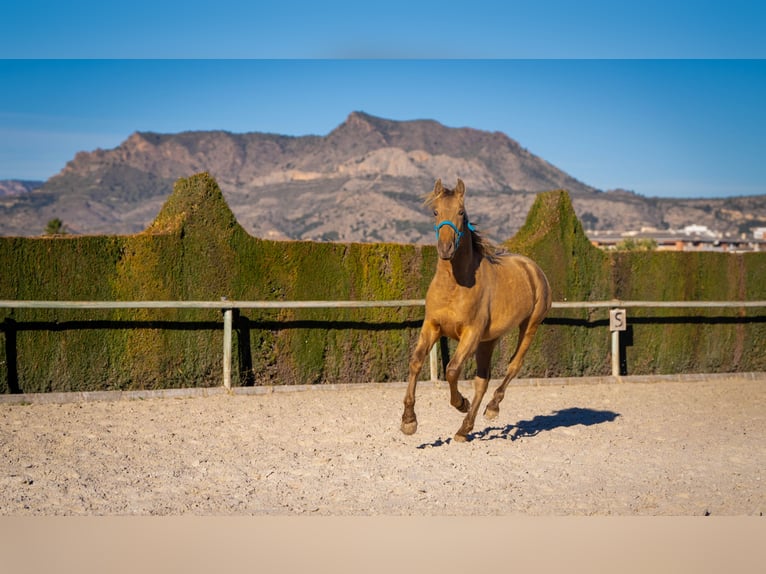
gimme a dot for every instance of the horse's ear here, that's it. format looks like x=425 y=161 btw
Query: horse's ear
x=460 y=188
x=438 y=188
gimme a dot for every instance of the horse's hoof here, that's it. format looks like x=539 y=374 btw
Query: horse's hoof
x=460 y=438
x=491 y=414
x=409 y=428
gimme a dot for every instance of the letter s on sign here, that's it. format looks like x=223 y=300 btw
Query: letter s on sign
x=618 y=320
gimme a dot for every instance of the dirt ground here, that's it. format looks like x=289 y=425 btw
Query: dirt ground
x=689 y=447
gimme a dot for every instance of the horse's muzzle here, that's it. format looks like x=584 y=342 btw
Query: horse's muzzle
x=446 y=249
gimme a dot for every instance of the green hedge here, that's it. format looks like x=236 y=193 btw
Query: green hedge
x=196 y=250
x=658 y=340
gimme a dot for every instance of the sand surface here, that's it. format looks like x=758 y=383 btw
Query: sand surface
x=631 y=448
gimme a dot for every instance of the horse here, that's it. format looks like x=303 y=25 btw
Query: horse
x=477 y=295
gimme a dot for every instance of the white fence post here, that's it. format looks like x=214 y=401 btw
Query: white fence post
x=227 y=320
x=615 y=353
x=617 y=322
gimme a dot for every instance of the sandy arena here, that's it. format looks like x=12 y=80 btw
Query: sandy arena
x=691 y=447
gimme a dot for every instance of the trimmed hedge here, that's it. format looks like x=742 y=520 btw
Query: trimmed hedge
x=658 y=340
x=196 y=250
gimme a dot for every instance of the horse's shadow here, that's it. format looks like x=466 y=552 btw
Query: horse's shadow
x=522 y=429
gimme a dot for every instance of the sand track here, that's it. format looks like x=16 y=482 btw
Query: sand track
x=635 y=448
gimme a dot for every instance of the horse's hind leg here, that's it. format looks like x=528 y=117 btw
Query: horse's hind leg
x=527 y=332
x=483 y=365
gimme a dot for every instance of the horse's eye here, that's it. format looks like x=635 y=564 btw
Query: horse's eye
x=461 y=213
x=436 y=213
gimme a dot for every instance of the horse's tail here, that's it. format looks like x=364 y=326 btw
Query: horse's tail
x=545 y=298
x=541 y=288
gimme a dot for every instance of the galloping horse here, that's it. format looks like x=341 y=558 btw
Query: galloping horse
x=476 y=296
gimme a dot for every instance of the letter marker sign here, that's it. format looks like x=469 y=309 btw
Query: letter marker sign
x=618 y=320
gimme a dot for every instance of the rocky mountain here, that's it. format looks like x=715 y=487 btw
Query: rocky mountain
x=364 y=181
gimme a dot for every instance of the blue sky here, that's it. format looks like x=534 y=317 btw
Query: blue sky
x=676 y=110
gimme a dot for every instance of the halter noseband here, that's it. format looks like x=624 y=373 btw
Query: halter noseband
x=459 y=234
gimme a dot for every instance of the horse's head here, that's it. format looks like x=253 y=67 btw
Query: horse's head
x=451 y=222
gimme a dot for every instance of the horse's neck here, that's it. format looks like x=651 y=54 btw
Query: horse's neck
x=462 y=268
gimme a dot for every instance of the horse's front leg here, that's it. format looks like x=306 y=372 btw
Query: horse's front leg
x=466 y=347
x=483 y=365
x=429 y=334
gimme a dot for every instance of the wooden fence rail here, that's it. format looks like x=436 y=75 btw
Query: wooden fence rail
x=228 y=308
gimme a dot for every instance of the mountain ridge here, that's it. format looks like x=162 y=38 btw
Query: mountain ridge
x=363 y=181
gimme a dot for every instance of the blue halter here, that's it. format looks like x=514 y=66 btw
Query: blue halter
x=458 y=233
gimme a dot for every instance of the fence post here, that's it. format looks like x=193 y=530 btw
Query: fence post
x=227 y=320
x=615 y=353
x=617 y=322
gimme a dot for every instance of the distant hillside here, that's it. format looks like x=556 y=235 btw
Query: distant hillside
x=17 y=186
x=364 y=181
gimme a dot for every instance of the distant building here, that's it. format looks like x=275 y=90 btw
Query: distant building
x=701 y=230
x=759 y=233
x=693 y=239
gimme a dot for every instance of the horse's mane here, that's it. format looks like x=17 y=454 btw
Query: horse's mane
x=430 y=197
x=486 y=248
